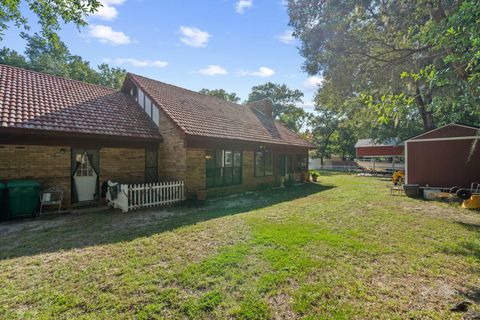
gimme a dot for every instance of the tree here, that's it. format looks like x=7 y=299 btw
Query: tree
x=49 y=14
x=283 y=98
x=324 y=125
x=295 y=118
x=12 y=58
x=343 y=139
x=43 y=56
x=380 y=58
x=222 y=94
x=110 y=76
x=285 y=101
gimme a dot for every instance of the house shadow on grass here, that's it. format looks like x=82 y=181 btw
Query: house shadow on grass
x=467 y=248
x=75 y=231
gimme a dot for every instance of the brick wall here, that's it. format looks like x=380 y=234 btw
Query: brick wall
x=122 y=164
x=52 y=167
x=195 y=177
x=172 y=154
x=48 y=165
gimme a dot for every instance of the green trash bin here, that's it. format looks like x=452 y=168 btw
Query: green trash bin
x=3 y=202
x=23 y=198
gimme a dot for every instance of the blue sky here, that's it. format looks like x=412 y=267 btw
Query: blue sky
x=229 y=44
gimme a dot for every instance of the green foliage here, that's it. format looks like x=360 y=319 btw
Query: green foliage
x=110 y=76
x=222 y=94
x=324 y=125
x=12 y=58
x=252 y=307
x=295 y=118
x=392 y=68
x=194 y=308
x=55 y=59
x=283 y=98
x=285 y=101
x=50 y=15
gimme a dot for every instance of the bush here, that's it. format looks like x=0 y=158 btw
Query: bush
x=314 y=172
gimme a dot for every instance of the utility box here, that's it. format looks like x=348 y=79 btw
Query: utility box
x=23 y=198
x=3 y=202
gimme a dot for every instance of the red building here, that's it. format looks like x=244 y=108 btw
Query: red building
x=444 y=157
x=369 y=148
x=386 y=157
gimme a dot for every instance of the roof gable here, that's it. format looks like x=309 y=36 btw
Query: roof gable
x=448 y=131
x=33 y=100
x=197 y=114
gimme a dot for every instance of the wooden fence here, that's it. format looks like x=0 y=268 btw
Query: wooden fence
x=137 y=196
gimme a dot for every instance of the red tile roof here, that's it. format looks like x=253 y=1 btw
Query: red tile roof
x=200 y=115
x=33 y=100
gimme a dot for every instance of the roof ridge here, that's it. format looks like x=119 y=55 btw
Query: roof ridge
x=188 y=90
x=218 y=99
x=200 y=101
x=51 y=103
x=57 y=77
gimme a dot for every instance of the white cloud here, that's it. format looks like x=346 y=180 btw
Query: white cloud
x=263 y=72
x=213 y=70
x=141 y=63
x=194 y=37
x=106 y=34
x=313 y=82
x=286 y=37
x=107 y=11
x=242 y=5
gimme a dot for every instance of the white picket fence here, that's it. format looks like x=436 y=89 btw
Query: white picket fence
x=146 y=195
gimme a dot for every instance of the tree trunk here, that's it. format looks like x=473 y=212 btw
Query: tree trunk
x=427 y=116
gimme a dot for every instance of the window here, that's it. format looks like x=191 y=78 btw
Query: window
x=141 y=99
x=151 y=165
x=223 y=168
x=302 y=163
x=133 y=93
x=84 y=167
x=155 y=115
x=148 y=106
x=263 y=163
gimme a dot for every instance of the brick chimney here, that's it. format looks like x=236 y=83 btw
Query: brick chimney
x=264 y=106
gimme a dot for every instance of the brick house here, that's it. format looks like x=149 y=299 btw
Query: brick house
x=76 y=135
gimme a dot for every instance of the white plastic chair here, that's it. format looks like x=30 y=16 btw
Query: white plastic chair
x=51 y=196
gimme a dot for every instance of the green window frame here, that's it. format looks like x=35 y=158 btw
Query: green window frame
x=263 y=163
x=223 y=168
x=302 y=163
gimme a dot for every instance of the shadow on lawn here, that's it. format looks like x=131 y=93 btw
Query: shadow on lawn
x=51 y=234
x=467 y=248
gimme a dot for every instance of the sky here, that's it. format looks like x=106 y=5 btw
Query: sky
x=195 y=44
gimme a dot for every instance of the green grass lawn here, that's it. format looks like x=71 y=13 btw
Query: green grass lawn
x=340 y=249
